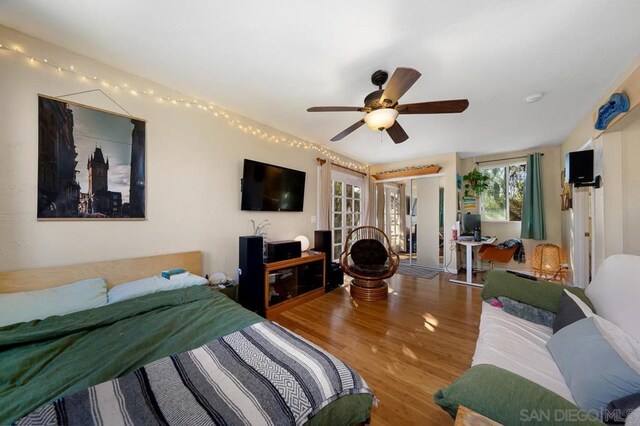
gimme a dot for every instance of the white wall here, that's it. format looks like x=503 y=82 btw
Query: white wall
x=631 y=188
x=620 y=206
x=194 y=166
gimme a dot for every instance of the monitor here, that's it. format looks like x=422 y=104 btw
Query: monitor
x=470 y=222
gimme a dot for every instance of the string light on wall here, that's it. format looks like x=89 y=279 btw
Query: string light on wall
x=214 y=110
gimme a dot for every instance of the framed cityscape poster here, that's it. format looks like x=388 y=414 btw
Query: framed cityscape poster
x=91 y=163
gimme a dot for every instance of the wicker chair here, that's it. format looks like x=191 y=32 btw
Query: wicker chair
x=369 y=259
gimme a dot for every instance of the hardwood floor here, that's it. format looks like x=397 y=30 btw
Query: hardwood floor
x=406 y=347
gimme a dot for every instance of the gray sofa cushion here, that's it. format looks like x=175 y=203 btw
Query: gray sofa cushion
x=527 y=312
x=591 y=367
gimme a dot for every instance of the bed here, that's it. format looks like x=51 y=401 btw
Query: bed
x=62 y=361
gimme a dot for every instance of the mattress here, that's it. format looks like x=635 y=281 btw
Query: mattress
x=62 y=355
x=518 y=346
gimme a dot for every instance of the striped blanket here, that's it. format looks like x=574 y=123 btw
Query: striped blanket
x=261 y=375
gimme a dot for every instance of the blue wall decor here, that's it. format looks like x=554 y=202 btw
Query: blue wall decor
x=616 y=105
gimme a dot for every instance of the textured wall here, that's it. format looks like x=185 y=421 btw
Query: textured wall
x=194 y=166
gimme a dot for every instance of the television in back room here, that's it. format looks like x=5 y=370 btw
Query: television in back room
x=579 y=167
x=266 y=187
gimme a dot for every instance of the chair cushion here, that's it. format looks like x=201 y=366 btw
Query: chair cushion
x=368 y=252
x=371 y=270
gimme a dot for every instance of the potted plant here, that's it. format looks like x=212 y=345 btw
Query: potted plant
x=476 y=183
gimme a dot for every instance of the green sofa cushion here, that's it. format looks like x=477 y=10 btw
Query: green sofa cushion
x=509 y=399
x=541 y=294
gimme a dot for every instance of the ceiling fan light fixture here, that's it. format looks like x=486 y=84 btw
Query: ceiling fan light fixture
x=381 y=119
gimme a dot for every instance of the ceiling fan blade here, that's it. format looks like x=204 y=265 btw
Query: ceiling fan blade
x=401 y=80
x=348 y=130
x=397 y=133
x=335 y=109
x=438 y=107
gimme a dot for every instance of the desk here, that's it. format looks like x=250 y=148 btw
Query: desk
x=469 y=245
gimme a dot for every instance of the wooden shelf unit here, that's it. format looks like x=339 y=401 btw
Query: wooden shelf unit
x=293 y=265
x=427 y=170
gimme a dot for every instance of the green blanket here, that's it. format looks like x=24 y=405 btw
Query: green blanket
x=44 y=360
x=541 y=294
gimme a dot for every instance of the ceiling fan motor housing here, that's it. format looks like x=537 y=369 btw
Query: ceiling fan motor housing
x=373 y=99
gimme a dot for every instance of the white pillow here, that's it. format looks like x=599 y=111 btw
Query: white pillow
x=615 y=292
x=65 y=299
x=150 y=285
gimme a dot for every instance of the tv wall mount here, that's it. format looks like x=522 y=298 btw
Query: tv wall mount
x=597 y=183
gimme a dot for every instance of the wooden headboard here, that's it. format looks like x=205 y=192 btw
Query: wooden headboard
x=114 y=271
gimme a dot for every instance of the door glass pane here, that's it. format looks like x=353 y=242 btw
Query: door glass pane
x=336 y=251
x=349 y=205
x=356 y=192
x=337 y=204
x=349 y=190
x=349 y=219
x=356 y=205
x=337 y=236
x=337 y=188
x=337 y=220
x=356 y=219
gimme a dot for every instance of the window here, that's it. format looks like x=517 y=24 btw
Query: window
x=502 y=201
x=347 y=205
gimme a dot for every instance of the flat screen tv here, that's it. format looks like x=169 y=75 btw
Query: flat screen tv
x=266 y=187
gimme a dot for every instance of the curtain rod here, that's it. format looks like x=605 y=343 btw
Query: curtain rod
x=504 y=159
x=321 y=161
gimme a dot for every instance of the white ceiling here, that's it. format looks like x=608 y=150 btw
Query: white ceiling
x=270 y=60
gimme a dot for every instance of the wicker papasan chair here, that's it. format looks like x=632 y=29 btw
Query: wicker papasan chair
x=369 y=259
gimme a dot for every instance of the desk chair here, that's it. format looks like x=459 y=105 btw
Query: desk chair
x=492 y=254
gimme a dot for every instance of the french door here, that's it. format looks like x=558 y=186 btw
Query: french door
x=346 y=208
x=393 y=227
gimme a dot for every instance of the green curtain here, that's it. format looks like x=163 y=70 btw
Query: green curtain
x=532 y=225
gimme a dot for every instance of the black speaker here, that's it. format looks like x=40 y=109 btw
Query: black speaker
x=579 y=167
x=322 y=242
x=333 y=274
x=250 y=274
x=283 y=250
x=335 y=278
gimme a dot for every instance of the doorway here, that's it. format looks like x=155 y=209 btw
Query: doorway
x=412 y=216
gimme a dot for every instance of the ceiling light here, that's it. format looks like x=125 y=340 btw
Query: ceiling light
x=534 y=97
x=381 y=119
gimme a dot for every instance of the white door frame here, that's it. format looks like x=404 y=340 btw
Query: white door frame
x=582 y=205
x=580 y=232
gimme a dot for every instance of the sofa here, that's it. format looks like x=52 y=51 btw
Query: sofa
x=520 y=374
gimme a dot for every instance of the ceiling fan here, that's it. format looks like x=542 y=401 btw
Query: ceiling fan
x=382 y=106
